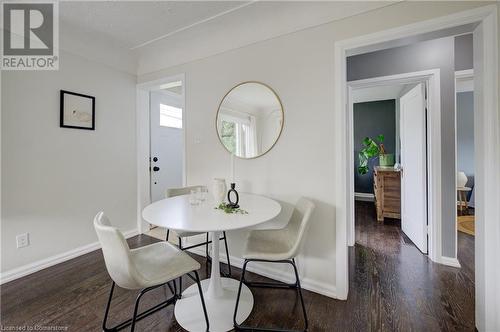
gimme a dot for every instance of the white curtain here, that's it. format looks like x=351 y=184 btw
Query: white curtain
x=251 y=138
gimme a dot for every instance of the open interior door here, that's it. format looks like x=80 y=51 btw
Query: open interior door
x=414 y=166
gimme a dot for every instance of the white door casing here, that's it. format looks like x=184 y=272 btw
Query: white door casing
x=413 y=138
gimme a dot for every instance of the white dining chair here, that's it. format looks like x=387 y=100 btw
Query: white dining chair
x=277 y=246
x=172 y=192
x=145 y=268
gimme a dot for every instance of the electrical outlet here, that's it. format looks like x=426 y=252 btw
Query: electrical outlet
x=23 y=240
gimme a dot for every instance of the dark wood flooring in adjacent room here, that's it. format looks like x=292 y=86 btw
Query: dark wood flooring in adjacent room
x=393 y=287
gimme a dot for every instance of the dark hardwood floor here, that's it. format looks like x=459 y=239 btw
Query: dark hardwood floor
x=393 y=287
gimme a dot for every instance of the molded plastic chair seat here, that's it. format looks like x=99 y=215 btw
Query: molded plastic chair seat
x=277 y=246
x=273 y=245
x=145 y=268
x=161 y=262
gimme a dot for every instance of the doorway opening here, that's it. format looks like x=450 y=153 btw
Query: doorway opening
x=161 y=118
x=483 y=22
x=395 y=164
x=465 y=165
x=167 y=138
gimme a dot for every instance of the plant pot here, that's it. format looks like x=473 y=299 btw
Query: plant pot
x=386 y=159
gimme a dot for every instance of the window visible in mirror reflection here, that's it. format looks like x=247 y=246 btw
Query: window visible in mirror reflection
x=238 y=134
x=228 y=135
x=249 y=120
x=170 y=116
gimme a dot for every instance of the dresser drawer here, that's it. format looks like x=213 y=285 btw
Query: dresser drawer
x=387 y=189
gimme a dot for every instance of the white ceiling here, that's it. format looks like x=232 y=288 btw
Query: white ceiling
x=133 y=23
x=142 y=36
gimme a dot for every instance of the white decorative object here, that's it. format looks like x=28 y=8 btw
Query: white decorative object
x=461 y=179
x=219 y=190
x=220 y=293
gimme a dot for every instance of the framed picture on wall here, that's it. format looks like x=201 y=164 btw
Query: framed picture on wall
x=77 y=110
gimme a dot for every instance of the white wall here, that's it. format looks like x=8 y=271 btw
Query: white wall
x=306 y=161
x=54 y=180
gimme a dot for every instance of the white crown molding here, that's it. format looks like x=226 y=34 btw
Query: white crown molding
x=193 y=25
x=30 y=268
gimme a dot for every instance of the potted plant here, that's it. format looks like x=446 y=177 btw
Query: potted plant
x=372 y=149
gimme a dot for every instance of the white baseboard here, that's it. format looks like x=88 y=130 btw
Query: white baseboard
x=269 y=272
x=450 y=261
x=30 y=268
x=364 y=197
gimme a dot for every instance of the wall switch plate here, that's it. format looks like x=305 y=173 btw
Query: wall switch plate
x=23 y=240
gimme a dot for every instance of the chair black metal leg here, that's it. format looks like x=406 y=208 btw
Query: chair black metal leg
x=296 y=286
x=175 y=286
x=136 y=317
x=107 y=307
x=136 y=307
x=299 y=288
x=242 y=280
x=172 y=289
x=206 y=248
x=207 y=255
x=168 y=233
x=202 y=299
x=227 y=254
x=180 y=278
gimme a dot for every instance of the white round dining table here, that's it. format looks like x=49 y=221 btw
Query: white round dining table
x=177 y=213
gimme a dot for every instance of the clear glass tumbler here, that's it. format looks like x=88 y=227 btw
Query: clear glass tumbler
x=193 y=197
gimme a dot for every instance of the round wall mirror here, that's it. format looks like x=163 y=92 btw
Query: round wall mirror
x=250 y=119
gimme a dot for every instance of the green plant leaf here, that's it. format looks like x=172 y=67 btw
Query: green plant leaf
x=370 y=150
x=362 y=170
x=366 y=141
x=228 y=209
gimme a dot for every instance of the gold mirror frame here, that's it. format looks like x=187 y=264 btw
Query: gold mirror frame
x=282 y=116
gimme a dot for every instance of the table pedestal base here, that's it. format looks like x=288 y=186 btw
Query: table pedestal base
x=189 y=312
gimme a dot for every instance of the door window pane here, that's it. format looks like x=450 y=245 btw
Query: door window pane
x=170 y=116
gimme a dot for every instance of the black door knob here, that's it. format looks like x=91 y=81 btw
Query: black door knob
x=156 y=168
x=155 y=159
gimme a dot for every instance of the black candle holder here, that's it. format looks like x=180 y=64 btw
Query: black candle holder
x=230 y=193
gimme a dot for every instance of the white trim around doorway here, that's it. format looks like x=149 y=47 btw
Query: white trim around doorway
x=430 y=78
x=487 y=125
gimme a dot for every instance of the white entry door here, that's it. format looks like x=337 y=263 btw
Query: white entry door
x=167 y=142
x=414 y=166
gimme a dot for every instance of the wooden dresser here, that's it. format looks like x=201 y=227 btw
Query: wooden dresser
x=387 y=189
